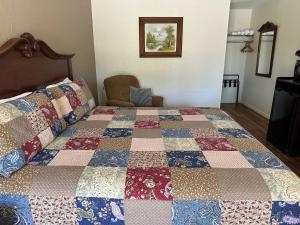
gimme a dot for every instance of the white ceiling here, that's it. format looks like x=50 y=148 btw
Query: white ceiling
x=246 y=4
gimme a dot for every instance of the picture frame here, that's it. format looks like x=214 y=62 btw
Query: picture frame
x=160 y=36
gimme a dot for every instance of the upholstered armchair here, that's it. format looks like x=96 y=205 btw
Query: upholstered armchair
x=118 y=91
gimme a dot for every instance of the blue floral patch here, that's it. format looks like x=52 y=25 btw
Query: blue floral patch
x=176 y=133
x=117 y=132
x=24 y=105
x=70 y=118
x=56 y=128
x=15 y=209
x=12 y=162
x=109 y=159
x=43 y=157
x=187 y=159
x=198 y=212
x=69 y=132
x=124 y=117
x=46 y=92
x=170 y=118
x=100 y=211
x=263 y=160
x=218 y=117
x=86 y=107
x=285 y=213
x=235 y=133
x=66 y=89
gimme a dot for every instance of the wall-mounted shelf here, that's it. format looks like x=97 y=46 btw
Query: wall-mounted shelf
x=239 y=38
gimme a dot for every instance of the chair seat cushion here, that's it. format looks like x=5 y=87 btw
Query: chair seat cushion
x=140 y=96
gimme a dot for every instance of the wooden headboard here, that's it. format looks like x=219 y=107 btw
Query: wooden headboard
x=27 y=64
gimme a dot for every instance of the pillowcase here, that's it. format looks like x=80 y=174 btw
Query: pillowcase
x=65 y=81
x=27 y=125
x=74 y=100
x=15 y=97
x=140 y=96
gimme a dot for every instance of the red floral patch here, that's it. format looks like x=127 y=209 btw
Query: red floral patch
x=190 y=111
x=217 y=144
x=147 y=124
x=104 y=111
x=90 y=143
x=31 y=148
x=50 y=113
x=73 y=100
x=150 y=183
x=79 y=83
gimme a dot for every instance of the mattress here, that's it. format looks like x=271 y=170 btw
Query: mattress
x=152 y=166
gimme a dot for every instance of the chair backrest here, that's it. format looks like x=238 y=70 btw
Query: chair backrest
x=117 y=87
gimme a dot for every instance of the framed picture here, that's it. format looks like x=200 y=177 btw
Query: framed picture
x=160 y=36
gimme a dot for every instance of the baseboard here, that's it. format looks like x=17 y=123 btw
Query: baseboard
x=267 y=116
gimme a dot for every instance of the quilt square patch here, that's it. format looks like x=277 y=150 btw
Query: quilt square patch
x=263 y=160
x=147 y=117
x=115 y=144
x=285 y=213
x=50 y=113
x=37 y=120
x=187 y=159
x=138 y=159
x=15 y=209
x=222 y=159
x=147 y=133
x=171 y=112
x=102 y=210
x=9 y=112
x=72 y=158
x=283 y=184
x=205 y=133
x=24 y=105
x=148 y=183
x=245 y=144
x=73 y=100
x=181 y=144
x=194 y=183
x=200 y=212
x=124 y=117
x=43 y=157
x=32 y=147
x=198 y=124
x=226 y=124
x=120 y=124
x=105 y=111
x=146 y=112
x=176 y=133
x=56 y=181
x=194 y=118
x=58 y=143
x=88 y=132
x=19 y=183
x=117 y=132
x=190 y=111
x=170 y=118
x=147 y=144
x=90 y=143
x=104 y=182
x=147 y=124
x=214 y=144
x=248 y=184
x=53 y=210
x=125 y=112
x=172 y=124
x=46 y=137
x=109 y=159
x=68 y=132
x=107 y=117
x=218 y=117
x=148 y=212
x=245 y=212
x=235 y=133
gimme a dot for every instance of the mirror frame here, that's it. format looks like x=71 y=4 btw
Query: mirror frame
x=268 y=26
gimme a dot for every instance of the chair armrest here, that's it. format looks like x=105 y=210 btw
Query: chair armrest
x=157 y=101
x=115 y=102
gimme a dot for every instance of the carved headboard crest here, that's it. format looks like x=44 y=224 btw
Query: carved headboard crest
x=29 y=46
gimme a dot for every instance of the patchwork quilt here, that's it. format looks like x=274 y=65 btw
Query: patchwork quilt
x=152 y=166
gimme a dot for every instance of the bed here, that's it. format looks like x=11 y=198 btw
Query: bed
x=181 y=166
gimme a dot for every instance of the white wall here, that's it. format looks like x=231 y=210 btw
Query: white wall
x=235 y=62
x=65 y=25
x=193 y=80
x=258 y=91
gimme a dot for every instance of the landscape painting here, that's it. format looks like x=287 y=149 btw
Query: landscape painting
x=160 y=36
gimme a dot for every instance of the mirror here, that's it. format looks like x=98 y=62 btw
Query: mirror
x=266 y=48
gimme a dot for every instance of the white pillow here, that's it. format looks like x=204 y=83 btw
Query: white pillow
x=15 y=97
x=65 y=81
